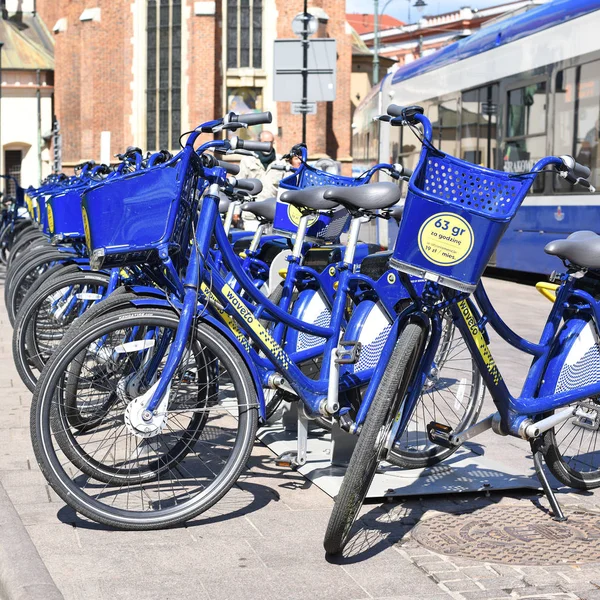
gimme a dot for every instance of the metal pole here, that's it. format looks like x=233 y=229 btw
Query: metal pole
x=304 y=70
x=376 y=42
x=39 y=123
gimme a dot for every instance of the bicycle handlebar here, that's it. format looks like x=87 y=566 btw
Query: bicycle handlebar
x=576 y=169
x=251 y=185
x=249 y=119
x=251 y=145
x=407 y=113
x=230 y=168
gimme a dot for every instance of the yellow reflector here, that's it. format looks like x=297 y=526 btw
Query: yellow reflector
x=548 y=290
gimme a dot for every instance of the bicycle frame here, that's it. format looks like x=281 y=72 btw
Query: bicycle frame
x=276 y=360
x=548 y=355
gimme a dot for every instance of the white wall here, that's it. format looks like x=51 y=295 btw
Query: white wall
x=19 y=129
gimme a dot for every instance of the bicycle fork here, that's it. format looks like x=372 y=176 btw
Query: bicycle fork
x=193 y=276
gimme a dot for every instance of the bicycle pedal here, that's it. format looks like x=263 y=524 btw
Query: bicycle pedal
x=348 y=356
x=288 y=460
x=440 y=434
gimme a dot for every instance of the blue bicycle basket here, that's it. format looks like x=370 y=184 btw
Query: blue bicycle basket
x=139 y=217
x=63 y=215
x=326 y=226
x=454 y=216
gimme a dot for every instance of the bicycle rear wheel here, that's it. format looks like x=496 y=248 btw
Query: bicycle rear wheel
x=110 y=473
x=368 y=452
x=572 y=449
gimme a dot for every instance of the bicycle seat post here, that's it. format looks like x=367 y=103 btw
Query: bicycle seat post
x=353 y=239
x=256 y=238
x=300 y=235
x=229 y=216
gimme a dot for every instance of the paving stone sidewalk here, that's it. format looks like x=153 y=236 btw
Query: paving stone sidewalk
x=264 y=539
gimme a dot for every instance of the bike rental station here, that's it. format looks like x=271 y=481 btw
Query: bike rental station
x=159 y=342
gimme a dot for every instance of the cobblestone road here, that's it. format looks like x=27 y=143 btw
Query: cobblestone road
x=264 y=539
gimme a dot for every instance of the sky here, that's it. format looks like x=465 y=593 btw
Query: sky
x=399 y=8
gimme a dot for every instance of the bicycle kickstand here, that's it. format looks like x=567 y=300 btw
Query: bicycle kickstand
x=557 y=511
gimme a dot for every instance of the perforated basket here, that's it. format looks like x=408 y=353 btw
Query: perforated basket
x=324 y=227
x=133 y=218
x=454 y=216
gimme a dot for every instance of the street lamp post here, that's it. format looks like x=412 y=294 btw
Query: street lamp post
x=419 y=5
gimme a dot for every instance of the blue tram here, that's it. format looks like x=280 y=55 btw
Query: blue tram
x=518 y=89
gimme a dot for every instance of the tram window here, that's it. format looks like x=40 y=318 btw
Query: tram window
x=525 y=141
x=527 y=110
x=478 y=125
x=577 y=119
x=444 y=121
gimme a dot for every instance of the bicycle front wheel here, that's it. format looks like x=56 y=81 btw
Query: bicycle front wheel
x=108 y=471
x=368 y=452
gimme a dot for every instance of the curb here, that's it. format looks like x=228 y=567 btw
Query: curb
x=23 y=574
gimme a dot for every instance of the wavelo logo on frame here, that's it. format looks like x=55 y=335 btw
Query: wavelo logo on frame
x=446 y=239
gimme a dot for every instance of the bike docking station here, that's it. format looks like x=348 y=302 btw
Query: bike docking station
x=327 y=455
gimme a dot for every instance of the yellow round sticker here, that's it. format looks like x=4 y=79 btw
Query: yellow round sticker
x=50 y=216
x=446 y=239
x=29 y=204
x=86 y=229
x=295 y=215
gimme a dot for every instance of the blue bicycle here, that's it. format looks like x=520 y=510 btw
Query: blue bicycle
x=455 y=214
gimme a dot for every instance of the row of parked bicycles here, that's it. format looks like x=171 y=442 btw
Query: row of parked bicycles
x=156 y=339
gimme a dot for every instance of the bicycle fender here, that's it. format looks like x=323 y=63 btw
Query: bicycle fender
x=143 y=302
x=573 y=360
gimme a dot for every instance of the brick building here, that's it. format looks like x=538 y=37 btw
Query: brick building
x=142 y=71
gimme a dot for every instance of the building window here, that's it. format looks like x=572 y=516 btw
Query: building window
x=12 y=167
x=243 y=100
x=163 y=93
x=244 y=34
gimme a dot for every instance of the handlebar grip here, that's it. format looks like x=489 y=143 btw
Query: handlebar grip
x=402 y=170
x=252 y=186
x=406 y=112
x=281 y=167
x=255 y=146
x=581 y=171
x=253 y=118
x=230 y=168
x=574 y=168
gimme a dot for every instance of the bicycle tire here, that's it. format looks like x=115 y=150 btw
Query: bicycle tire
x=25 y=277
x=367 y=453
x=570 y=469
x=24 y=243
x=28 y=353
